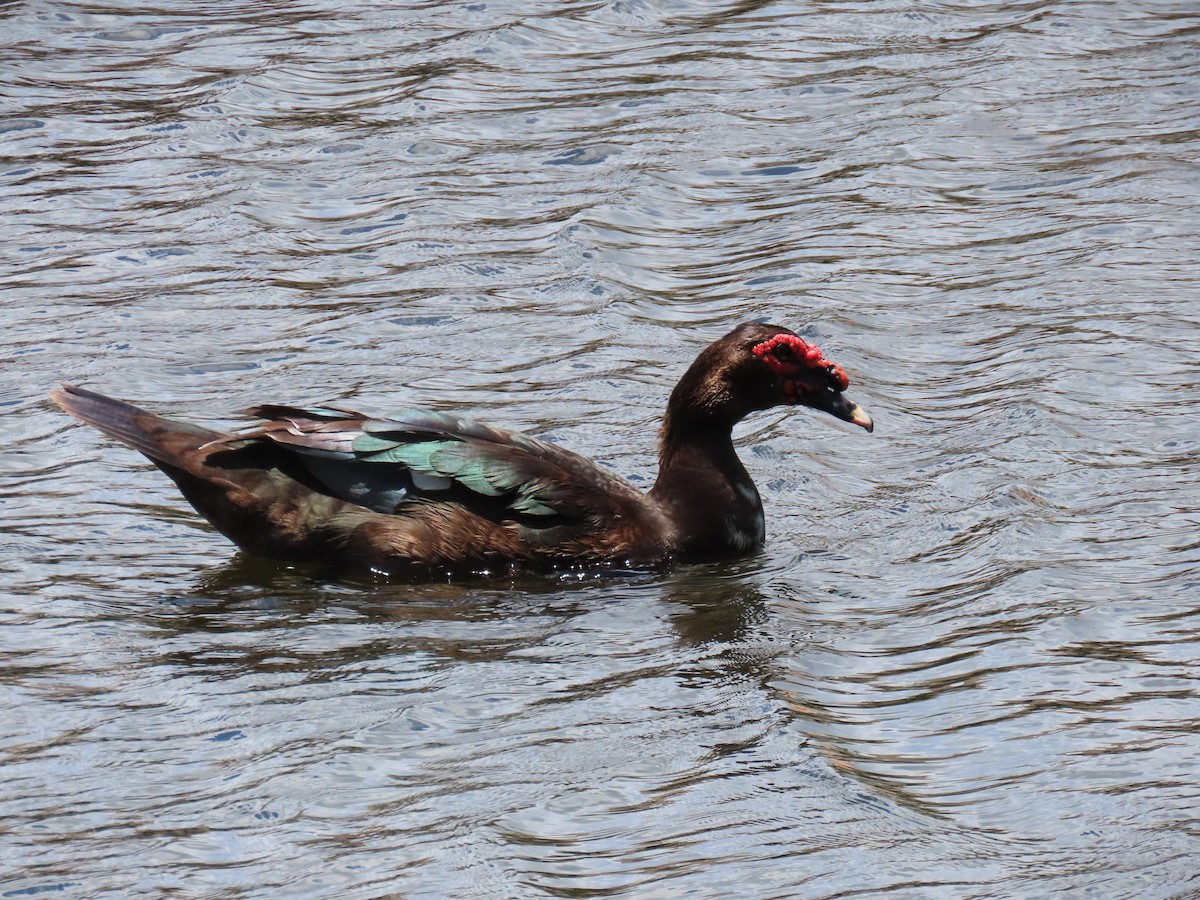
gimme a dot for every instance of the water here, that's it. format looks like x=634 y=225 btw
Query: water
x=964 y=666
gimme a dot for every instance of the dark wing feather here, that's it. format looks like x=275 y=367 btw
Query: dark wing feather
x=418 y=457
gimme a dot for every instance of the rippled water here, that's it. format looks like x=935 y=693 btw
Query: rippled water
x=966 y=663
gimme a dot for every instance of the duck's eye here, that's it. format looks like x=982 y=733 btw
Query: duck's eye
x=784 y=353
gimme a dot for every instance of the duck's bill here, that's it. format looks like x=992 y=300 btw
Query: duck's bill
x=844 y=408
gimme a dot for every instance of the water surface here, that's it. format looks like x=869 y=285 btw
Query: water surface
x=965 y=664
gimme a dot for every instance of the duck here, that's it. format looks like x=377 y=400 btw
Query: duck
x=423 y=492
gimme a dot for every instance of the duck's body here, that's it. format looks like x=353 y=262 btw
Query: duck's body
x=421 y=491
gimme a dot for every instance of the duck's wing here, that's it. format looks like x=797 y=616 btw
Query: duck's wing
x=401 y=463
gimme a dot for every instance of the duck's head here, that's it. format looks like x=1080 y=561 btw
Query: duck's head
x=758 y=366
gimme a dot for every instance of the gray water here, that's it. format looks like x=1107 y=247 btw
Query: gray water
x=965 y=665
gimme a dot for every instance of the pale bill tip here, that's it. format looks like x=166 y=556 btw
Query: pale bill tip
x=859 y=417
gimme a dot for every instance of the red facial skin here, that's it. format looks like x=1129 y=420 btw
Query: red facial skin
x=787 y=355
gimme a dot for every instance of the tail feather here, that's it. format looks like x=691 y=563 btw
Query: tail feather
x=248 y=490
x=159 y=438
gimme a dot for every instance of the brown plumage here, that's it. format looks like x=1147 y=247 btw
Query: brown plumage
x=421 y=491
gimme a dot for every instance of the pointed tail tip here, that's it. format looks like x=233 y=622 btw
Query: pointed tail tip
x=61 y=391
x=76 y=400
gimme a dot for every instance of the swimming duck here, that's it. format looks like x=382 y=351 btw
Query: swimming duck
x=422 y=491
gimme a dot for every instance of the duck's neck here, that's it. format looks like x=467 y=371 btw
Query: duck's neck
x=704 y=490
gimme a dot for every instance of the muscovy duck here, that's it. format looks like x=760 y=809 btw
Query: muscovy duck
x=421 y=491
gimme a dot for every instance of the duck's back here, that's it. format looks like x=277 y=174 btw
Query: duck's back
x=452 y=491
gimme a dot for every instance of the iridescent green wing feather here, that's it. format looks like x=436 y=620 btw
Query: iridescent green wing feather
x=421 y=456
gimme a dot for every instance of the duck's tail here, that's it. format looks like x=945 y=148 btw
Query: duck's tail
x=165 y=441
x=247 y=489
